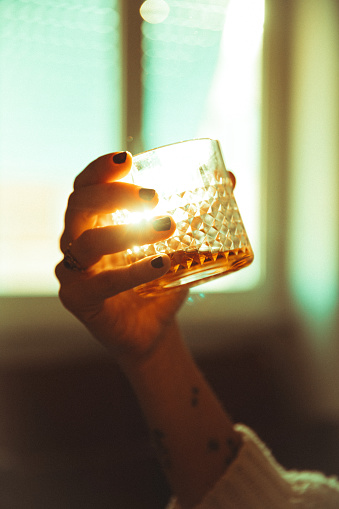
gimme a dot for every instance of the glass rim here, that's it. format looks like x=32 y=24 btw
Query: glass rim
x=177 y=143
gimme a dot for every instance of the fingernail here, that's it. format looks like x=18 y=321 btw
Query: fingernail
x=162 y=224
x=146 y=194
x=233 y=179
x=120 y=157
x=157 y=263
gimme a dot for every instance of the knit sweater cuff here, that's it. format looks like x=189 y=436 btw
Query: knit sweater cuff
x=256 y=480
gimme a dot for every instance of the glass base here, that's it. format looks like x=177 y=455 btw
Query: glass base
x=190 y=269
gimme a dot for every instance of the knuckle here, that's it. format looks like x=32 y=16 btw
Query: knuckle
x=59 y=270
x=71 y=200
x=77 y=180
x=62 y=296
x=63 y=242
x=68 y=300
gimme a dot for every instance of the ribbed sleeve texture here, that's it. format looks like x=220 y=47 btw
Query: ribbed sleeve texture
x=256 y=481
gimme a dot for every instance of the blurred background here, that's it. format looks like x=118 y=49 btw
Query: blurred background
x=80 y=79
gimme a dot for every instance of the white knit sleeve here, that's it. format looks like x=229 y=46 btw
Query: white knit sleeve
x=256 y=481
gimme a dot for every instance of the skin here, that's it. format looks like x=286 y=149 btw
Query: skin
x=102 y=297
x=191 y=432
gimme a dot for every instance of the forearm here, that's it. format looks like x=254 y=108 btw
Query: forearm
x=192 y=433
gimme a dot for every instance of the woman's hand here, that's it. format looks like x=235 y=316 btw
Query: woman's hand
x=101 y=296
x=183 y=414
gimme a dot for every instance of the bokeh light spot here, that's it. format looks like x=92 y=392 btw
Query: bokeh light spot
x=154 y=11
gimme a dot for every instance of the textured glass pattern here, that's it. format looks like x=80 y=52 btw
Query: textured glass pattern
x=210 y=235
x=208 y=221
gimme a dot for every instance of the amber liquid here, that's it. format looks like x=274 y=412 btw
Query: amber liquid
x=191 y=268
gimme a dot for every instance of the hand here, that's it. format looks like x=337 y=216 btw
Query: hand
x=102 y=295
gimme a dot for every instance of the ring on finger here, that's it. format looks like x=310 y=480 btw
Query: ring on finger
x=70 y=262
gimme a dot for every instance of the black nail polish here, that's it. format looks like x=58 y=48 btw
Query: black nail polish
x=157 y=263
x=163 y=224
x=120 y=157
x=146 y=194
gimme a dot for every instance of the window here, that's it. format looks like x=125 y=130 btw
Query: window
x=63 y=104
x=202 y=78
x=60 y=103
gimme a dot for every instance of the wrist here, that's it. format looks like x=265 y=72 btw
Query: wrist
x=192 y=433
x=156 y=357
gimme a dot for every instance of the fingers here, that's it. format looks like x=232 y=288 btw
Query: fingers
x=85 y=203
x=109 y=283
x=106 y=168
x=96 y=195
x=96 y=192
x=93 y=290
x=107 y=198
x=89 y=248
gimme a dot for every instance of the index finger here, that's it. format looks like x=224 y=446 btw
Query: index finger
x=106 y=168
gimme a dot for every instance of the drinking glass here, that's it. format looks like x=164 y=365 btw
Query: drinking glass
x=194 y=188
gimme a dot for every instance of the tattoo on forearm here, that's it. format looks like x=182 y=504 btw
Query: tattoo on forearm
x=195 y=396
x=157 y=440
x=228 y=460
x=213 y=445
